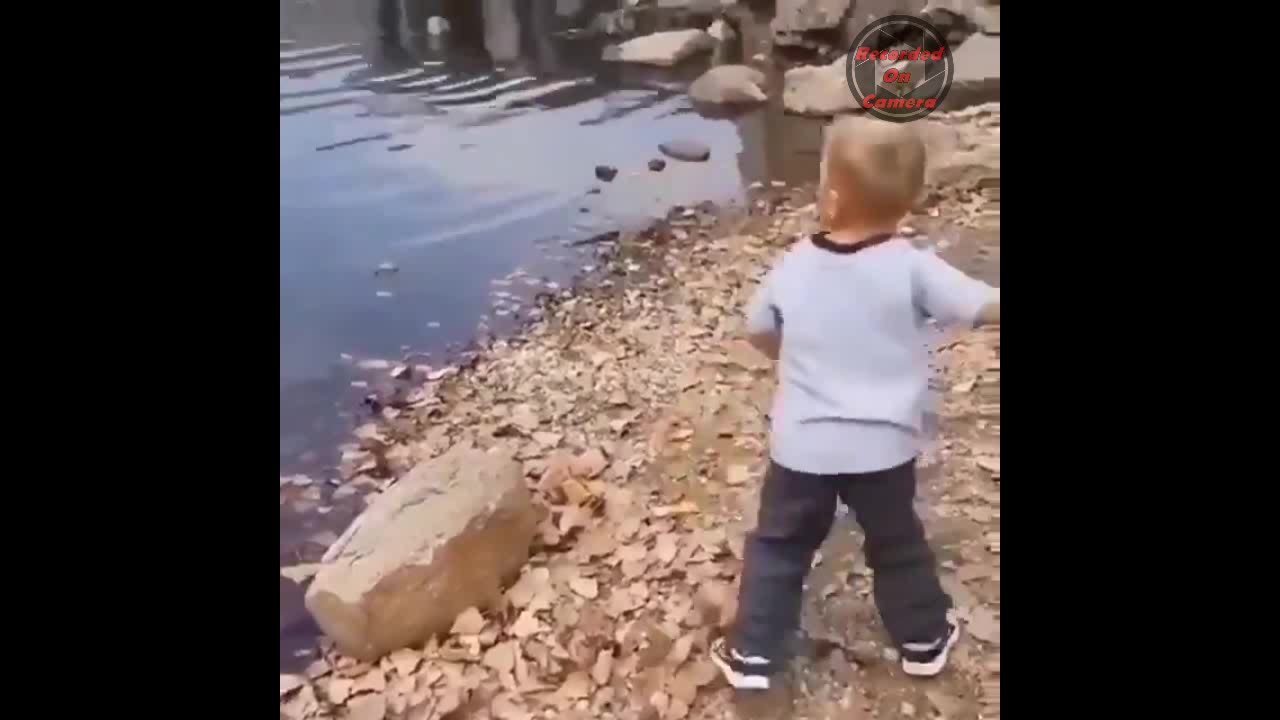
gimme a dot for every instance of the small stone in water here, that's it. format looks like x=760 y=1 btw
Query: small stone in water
x=890 y=655
x=657 y=164
x=437 y=25
x=755 y=185
x=606 y=173
x=777 y=183
x=686 y=150
x=386 y=267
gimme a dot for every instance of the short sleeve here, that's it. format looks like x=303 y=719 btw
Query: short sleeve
x=945 y=294
x=762 y=311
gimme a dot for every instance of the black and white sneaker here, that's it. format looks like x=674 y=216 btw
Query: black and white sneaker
x=744 y=672
x=928 y=659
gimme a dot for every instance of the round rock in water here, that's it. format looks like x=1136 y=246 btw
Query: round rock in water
x=606 y=173
x=437 y=25
x=657 y=164
x=686 y=150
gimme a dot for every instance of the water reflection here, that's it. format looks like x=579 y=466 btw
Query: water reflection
x=460 y=158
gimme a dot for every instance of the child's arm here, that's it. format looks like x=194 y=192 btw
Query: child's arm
x=769 y=343
x=990 y=313
x=951 y=297
x=764 y=320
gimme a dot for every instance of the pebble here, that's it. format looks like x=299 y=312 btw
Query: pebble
x=606 y=173
x=865 y=652
x=657 y=164
x=686 y=150
x=386 y=268
x=908 y=710
x=890 y=655
x=777 y=183
x=384 y=293
x=437 y=25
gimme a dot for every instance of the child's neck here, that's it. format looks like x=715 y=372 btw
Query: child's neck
x=854 y=233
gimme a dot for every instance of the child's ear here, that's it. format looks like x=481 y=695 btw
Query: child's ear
x=830 y=201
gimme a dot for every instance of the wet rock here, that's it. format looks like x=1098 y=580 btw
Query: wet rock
x=963 y=17
x=977 y=78
x=657 y=164
x=729 y=84
x=818 y=90
x=987 y=18
x=794 y=18
x=437 y=25
x=664 y=49
x=442 y=539
x=386 y=268
x=865 y=12
x=613 y=24
x=801 y=15
x=686 y=150
x=721 y=31
x=606 y=173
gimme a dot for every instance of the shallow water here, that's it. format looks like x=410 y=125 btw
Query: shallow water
x=459 y=160
x=429 y=154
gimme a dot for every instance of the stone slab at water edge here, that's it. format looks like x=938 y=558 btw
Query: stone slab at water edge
x=818 y=90
x=444 y=538
x=729 y=85
x=664 y=49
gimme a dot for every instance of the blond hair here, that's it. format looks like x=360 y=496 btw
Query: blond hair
x=872 y=170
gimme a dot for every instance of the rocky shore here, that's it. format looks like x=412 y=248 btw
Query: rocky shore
x=555 y=529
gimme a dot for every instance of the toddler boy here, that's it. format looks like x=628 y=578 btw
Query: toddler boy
x=844 y=312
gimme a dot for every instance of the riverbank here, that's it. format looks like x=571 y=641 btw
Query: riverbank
x=639 y=417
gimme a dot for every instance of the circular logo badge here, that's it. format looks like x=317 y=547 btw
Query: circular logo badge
x=899 y=68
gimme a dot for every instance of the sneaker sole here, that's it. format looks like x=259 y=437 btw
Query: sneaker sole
x=930 y=669
x=738 y=680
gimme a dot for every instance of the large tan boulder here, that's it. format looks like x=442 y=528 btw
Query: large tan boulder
x=729 y=85
x=818 y=90
x=664 y=49
x=977 y=78
x=446 y=537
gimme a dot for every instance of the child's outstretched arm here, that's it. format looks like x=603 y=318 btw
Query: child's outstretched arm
x=951 y=297
x=764 y=321
x=990 y=312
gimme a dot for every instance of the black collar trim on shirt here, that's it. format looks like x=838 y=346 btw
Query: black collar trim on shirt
x=823 y=242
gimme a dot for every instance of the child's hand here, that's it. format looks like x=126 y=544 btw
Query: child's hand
x=990 y=312
x=769 y=343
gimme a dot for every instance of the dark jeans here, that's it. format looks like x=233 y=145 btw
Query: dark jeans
x=796 y=512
